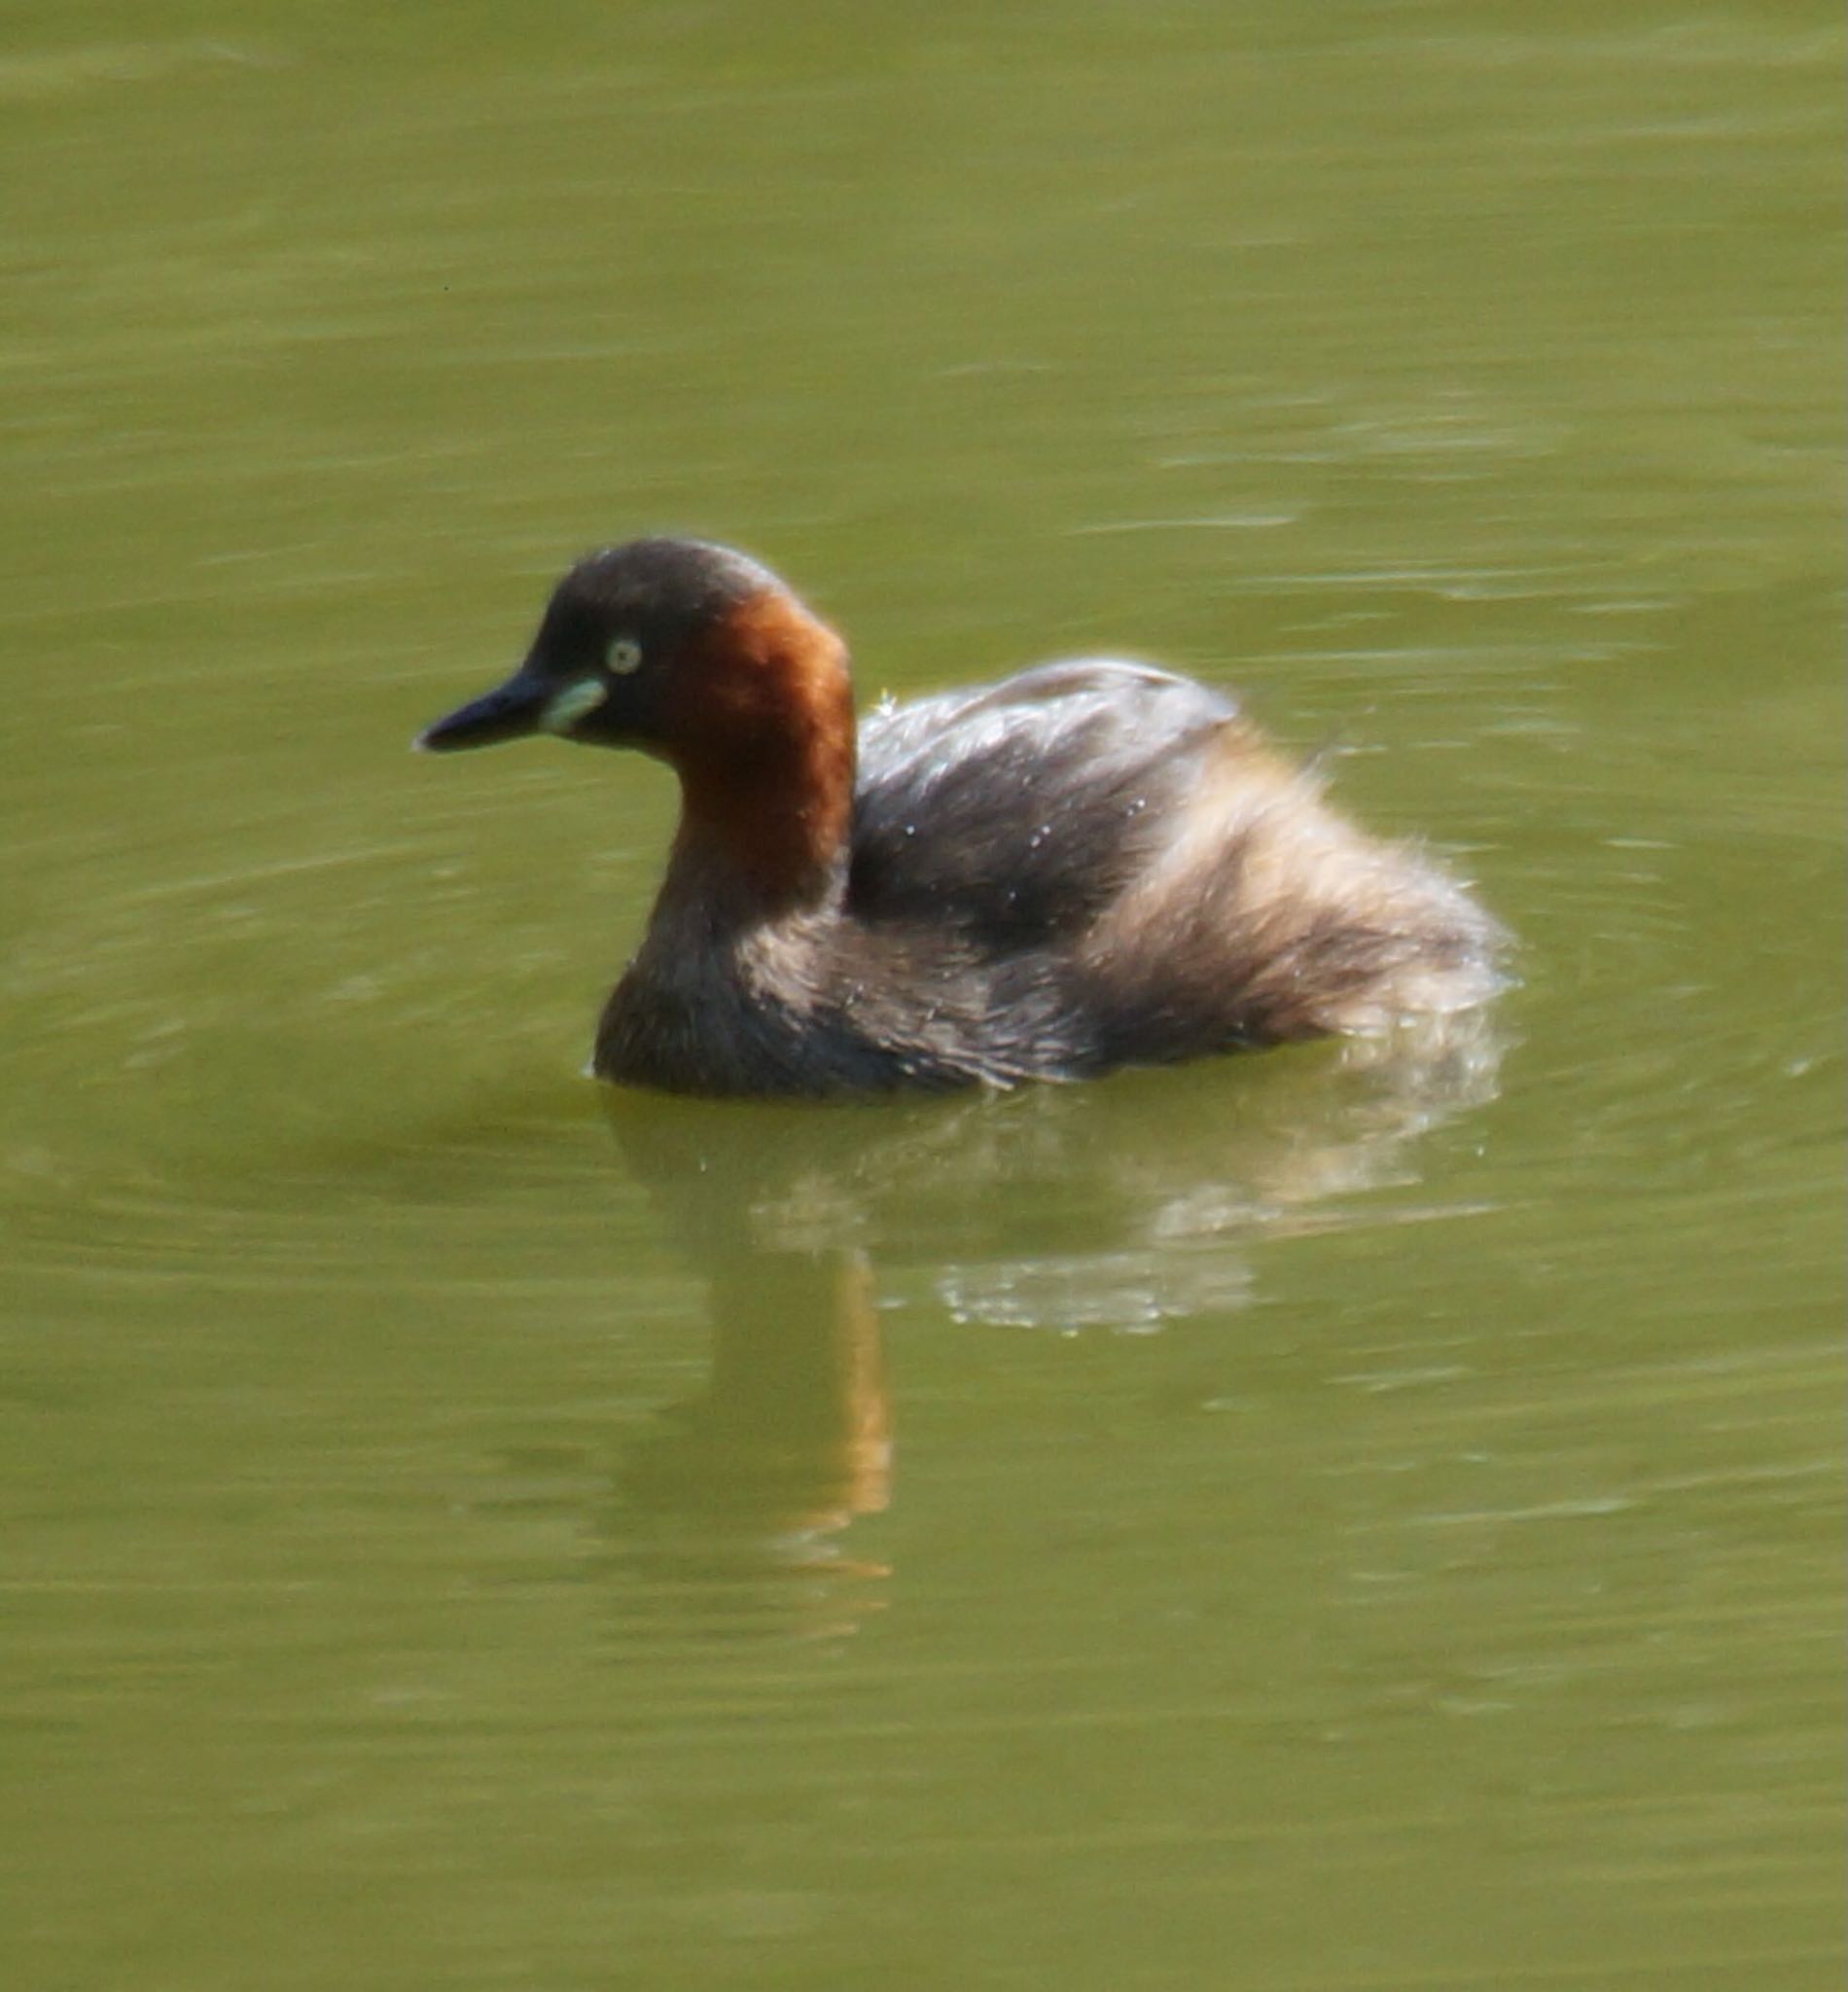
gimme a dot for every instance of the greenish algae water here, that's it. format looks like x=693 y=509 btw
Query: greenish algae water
x=1289 y=1523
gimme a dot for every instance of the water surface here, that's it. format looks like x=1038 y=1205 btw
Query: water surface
x=1315 y=1521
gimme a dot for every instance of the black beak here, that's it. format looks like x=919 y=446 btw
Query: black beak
x=509 y=712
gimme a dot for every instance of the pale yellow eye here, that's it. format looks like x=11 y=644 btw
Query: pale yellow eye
x=623 y=655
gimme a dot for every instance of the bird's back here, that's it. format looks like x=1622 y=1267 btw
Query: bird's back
x=1144 y=876
x=1017 y=812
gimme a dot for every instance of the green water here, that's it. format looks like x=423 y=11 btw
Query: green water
x=1275 y=1525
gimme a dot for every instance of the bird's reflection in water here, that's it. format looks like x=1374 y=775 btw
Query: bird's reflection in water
x=734 y=1504
x=1120 y=1205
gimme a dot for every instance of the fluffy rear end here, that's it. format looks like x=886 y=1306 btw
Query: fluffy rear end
x=1270 y=918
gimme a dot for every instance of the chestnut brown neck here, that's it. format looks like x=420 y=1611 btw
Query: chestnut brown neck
x=763 y=739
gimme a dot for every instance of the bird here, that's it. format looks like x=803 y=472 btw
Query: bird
x=1091 y=864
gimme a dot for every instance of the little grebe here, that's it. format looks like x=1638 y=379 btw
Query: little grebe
x=1089 y=864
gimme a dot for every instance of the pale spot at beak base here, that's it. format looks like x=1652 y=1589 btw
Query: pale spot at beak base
x=564 y=709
